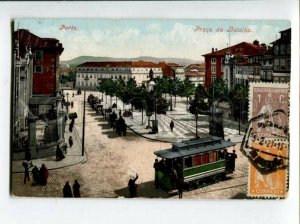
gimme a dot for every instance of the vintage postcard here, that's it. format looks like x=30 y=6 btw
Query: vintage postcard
x=150 y=108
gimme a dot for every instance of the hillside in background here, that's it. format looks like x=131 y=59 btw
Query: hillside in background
x=82 y=59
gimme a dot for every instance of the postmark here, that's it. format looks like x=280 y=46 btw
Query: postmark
x=266 y=142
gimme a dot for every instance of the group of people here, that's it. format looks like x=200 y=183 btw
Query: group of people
x=67 y=190
x=176 y=173
x=119 y=125
x=39 y=175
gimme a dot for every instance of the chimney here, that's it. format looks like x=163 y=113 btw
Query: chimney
x=256 y=42
x=212 y=50
x=216 y=49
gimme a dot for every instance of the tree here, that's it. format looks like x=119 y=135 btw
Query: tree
x=176 y=88
x=187 y=89
x=239 y=99
x=218 y=90
x=199 y=105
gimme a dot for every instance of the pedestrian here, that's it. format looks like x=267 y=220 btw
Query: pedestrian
x=43 y=175
x=180 y=186
x=156 y=169
x=171 y=125
x=72 y=104
x=67 y=191
x=233 y=157
x=71 y=125
x=35 y=176
x=59 y=154
x=76 y=189
x=132 y=186
x=70 y=141
x=72 y=94
x=26 y=171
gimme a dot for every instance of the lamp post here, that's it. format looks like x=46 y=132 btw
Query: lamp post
x=151 y=85
x=83 y=120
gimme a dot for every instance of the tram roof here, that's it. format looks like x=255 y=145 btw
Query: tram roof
x=193 y=147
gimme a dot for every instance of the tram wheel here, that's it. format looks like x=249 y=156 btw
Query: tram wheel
x=217 y=178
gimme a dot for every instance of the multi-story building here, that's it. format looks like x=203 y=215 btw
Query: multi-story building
x=173 y=70
x=196 y=73
x=21 y=92
x=46 y=52
x=239 y=65
x=89 y=74
x=282 y=57
x=266 y=62
x=34 y=97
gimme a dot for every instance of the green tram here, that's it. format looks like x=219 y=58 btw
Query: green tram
x=196 y=162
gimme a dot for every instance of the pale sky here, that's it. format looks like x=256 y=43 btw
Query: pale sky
x=128 y=38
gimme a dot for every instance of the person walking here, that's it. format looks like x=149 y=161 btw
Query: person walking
x=44 y=175
x=132 y=186
x=35 y=176
x=67 y=191
x=180 y=186
x=70 y=141
x=76 y=189
x=26 y=171
x=171 y=125
x=156 y=169
x=71 y=125
x=232 y=159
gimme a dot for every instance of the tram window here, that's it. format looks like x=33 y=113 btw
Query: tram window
x=188 y=162
x=205 y=158
x=197 y=160
x=221 y=154
x=212 y=156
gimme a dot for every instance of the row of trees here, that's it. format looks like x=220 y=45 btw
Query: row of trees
x=218 y=91
x=204 y=99
x=140 y=97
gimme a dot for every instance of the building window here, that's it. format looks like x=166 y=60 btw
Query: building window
x=282 y=64
x=288 y=64
x=282 y=49
x=38 y=55
x=276 y=49
x=213 y=78
x=213 y=60
x=213 y=69
x=38 y=69
x=288 y=49
x=276 y=64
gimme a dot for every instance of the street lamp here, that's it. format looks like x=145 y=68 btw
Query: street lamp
x=151 y=85
x=83 y=120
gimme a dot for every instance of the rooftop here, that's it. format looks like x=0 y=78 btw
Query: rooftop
x=120 y=64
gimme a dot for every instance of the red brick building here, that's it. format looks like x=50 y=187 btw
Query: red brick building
x=46 y=53
x=214 y=61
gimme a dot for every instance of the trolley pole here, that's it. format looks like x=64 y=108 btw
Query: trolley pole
x=83 y=124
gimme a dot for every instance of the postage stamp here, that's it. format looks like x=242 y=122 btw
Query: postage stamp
x=266 y=143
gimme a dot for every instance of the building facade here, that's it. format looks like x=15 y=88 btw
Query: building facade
x=35 y=104
x=89 y=74
x=282 y=57
x=235 y=64
x=195 y=73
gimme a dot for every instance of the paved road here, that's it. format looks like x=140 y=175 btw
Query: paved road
x=112 y=159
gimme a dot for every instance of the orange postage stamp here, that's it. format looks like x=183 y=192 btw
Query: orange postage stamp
x=266 y=143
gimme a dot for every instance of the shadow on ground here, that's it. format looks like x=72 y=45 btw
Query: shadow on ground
x=240 y=196
x=144 y=190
